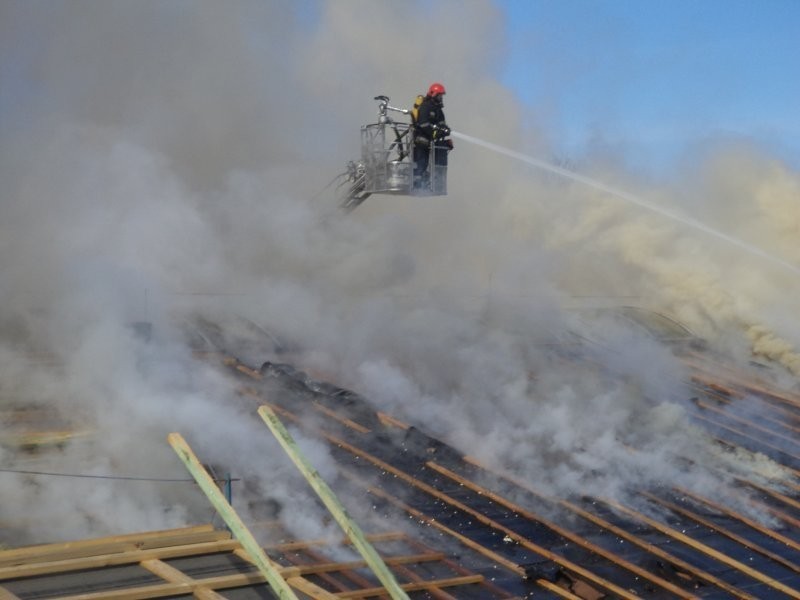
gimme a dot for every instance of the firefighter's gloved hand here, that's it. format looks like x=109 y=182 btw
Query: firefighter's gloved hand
x=449 y=143
x=443 y=130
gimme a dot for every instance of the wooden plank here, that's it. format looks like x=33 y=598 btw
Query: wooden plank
x=389 y=420
x=327 y=566
x=792 y=484
x=705 y=549
x=234 y=363
x=434 y=591
x=311 y=589
x=232 y=520
x=29 y=440
x=557 y=589
x=337 y=417
x=420 y=516
x=618 y=531
x=166 y=572
x=172 y=575
x=245 y=556
x=6 y=595
x=777 y=415
x=723 y=531
x=415 y=587
x=248 y=371
x=776 y=495
x=540 y=550
x=564 y=562
x=745 y=435
x=753 y=386
x=332 y=503
x=493 y=590
x=285 y=571
x=372 y=537
x=294 y=577
x=164 y=590
x=594 y=548
x=336 y=584
x=748 y=521
x=346 y=568
x=183 y=540
x=659 y=552
x=115 y=559
x=750 y=424
x=107 y=545
x=493 y=556
x=787 y=519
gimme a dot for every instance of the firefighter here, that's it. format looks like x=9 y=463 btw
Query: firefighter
x=430 y=131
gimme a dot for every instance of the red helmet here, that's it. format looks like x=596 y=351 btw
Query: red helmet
x=436 y=89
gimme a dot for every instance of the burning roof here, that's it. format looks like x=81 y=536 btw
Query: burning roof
x=449 y=525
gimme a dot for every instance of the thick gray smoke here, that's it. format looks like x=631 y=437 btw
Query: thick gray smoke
x=163 y=159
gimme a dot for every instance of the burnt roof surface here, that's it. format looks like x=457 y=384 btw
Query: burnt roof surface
x=695 y=548
x=472 y=531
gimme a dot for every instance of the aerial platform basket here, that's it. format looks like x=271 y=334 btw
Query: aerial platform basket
x=387 y=163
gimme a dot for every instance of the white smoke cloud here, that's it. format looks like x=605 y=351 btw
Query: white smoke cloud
x=160 y=161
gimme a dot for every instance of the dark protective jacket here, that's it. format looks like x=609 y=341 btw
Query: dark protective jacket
x=430 y=113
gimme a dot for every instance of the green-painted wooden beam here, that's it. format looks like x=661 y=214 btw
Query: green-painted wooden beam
x=269 y=569
x=350 y=527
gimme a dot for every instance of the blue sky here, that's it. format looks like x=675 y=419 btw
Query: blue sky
x=656 y=79
x=652 y=80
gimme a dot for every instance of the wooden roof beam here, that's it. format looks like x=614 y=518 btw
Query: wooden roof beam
x=705 y=549
x=653 y=549
x=115 y=559
x=332 y=503
x=268 y=569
